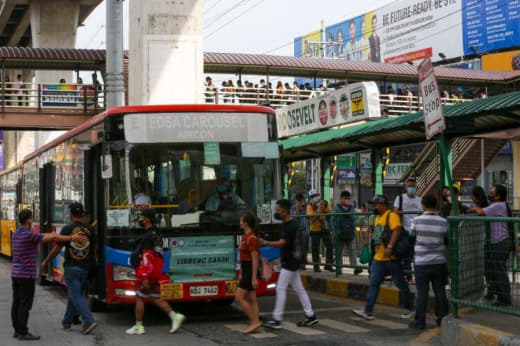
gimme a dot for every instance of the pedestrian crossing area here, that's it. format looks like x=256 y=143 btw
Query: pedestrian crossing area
x=326 y=326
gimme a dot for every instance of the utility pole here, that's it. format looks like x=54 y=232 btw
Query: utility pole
x=114 y=83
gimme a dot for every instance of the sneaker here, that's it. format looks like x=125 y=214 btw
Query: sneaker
x=28 y=336
x=406 y=315
x=76 y=320
x=308 y=321
x=16 y=335
x=135 y=330
x=66 y=327
x=273 y=324
x=177 y=322
x=362 y=313
x=88 y=328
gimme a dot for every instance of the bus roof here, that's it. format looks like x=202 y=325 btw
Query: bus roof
x=97 y=119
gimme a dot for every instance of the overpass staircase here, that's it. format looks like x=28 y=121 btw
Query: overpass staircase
x=466 y=160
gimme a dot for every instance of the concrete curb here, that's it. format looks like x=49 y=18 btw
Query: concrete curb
x=344 y=288
x=458 y=332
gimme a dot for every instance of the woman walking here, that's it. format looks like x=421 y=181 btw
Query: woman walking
x=249 y=257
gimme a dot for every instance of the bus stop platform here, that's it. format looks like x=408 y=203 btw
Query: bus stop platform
x=473 y=327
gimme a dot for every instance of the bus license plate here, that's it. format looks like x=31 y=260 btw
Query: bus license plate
x=197 y=291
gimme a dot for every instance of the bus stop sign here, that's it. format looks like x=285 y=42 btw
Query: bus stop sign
x=434 y=122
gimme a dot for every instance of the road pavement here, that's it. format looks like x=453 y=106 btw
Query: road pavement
x=212 y=324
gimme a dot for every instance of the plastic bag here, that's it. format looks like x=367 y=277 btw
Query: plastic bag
x=365 y=256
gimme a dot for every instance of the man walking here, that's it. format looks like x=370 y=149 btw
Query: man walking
x=408 y=202
x=345 y=230
x=430 y=232
x=289 y=275
x=148 y=273
x=299 y=212
x=318 y=232
x=387 y=229
x=25 y=252
x=78 y=258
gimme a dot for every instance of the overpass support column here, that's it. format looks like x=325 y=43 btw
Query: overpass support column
x=54 y=24
x=166 y=58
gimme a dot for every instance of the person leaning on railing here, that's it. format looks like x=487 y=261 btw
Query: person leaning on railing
x=498 y=248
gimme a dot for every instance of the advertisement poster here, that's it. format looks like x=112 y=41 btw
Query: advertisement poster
x=365 y=171
x=347 y=169
x=411 y=30
x=199 y=259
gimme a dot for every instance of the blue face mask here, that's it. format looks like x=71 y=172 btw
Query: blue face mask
x=222 y=188
x=411 y=190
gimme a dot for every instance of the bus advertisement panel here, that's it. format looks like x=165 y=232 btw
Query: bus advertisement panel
x=412 y=30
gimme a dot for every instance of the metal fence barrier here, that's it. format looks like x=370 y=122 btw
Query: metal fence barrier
x=483 y=267
x=364 y=224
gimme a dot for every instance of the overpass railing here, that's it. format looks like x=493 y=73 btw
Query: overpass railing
x=82 y=98
x=391 y=105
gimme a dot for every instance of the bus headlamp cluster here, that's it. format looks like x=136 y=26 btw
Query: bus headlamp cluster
x=123 y=273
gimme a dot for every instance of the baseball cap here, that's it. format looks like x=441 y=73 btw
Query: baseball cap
x=77 y=209
x=378 y=199
x=313 y=193
x=149 y=213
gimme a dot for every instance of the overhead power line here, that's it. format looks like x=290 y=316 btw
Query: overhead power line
x=232 y=20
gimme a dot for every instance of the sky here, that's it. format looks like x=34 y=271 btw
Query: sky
x=247 y=26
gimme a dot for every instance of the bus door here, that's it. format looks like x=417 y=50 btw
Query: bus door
x=47 y=177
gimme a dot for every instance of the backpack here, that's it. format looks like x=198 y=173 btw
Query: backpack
x=135 y=256
x=403 y=245
x=345 y=227
x=301 y=244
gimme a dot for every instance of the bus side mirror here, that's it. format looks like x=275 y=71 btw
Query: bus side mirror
x=106 y=166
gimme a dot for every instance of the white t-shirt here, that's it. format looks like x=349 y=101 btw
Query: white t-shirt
x=409 y=204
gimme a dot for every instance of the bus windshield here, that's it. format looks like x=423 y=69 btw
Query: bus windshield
x=183 y=180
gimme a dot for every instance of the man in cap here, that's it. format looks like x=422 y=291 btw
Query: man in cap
x=385 y=262
x=149 y=272
x=78 y=257
x=224 y=198
x=318 y=231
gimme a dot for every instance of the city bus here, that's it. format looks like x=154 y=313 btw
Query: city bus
x=10 y=193
x=171 y=158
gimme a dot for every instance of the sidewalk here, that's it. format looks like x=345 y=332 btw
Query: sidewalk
x=473 y=327
x=353 y=286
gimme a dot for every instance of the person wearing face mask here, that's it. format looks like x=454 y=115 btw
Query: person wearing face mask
x=289 y=275
x=385 y=262
x=446 y=206
x=224 y=198
x=408 y=202
x=318 y=231
x=148 y=273
x=498 y=247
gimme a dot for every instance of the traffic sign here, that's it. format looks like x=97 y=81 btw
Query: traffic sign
x=434 y=122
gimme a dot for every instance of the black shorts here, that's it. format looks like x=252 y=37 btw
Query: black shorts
x=246 y=268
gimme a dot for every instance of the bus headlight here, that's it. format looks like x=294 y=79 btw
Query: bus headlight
x=124 y=293
x=123 y=273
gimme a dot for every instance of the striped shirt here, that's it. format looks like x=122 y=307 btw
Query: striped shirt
x=430 y=233
x=25 y=252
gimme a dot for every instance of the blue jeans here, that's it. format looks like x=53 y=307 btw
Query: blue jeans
x=75 y=278
x=378 y=270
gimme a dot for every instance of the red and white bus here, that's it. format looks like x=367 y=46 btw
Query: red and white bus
x=170 y=158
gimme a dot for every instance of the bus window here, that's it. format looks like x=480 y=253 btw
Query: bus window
x=176 y=180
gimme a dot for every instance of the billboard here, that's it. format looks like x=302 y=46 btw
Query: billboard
x=410 y=30
x=490 y=25
x=505 y=61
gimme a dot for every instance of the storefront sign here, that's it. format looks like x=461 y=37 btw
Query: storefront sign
x=199 y=258
x=395 y=171
x=434 y=122
x=355 y=102
x=195 y=127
